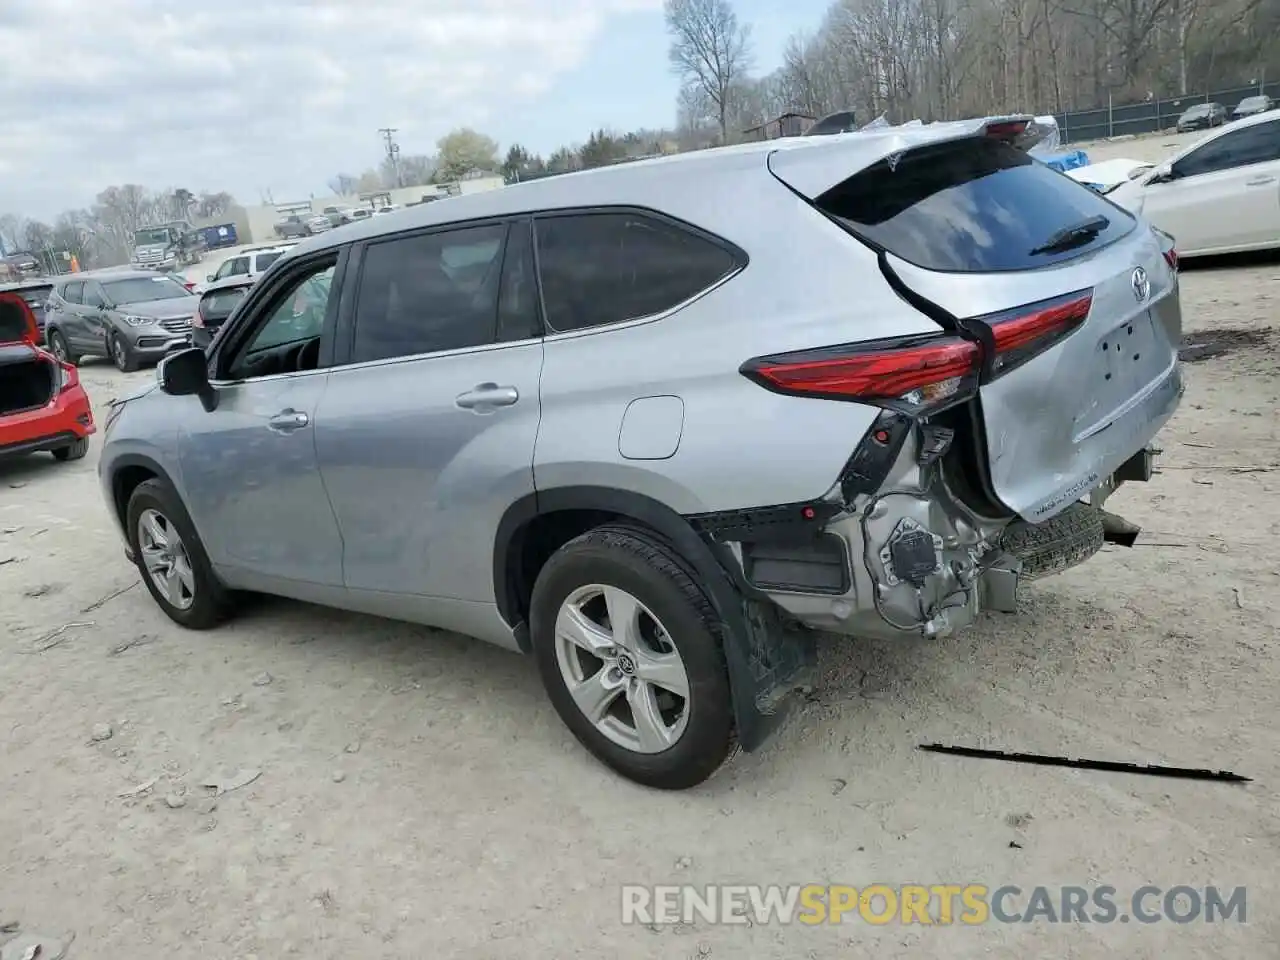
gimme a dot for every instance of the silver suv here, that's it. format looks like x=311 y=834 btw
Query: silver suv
x=661 y=424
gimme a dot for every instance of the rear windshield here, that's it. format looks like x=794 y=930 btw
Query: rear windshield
x=972 y=206
x=218 y=304
x=36 y=296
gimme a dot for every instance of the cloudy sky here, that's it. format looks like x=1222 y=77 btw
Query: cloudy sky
x=280 y=96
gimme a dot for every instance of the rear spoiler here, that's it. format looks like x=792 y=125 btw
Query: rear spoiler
x=1022 y=132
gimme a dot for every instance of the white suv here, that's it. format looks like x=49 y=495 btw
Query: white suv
x=248 y=263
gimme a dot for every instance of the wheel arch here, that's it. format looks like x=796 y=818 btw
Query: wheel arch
x=763 y=655
x=126 y=473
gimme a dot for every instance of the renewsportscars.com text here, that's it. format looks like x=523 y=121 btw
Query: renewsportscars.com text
x=966 y=904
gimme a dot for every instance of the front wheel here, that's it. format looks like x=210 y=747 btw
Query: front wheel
x=121 y=355
x=630 y=654
x=171 y=558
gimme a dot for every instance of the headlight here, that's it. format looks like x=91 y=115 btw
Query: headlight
x=137 y=321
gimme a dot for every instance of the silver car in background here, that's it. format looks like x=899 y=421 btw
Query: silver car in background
x=660 y=424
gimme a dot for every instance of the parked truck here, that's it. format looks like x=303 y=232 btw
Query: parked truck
x=167 y=246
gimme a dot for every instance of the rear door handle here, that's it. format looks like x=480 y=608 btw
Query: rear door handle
x=287 y=421
x=1259 y=181
x=485 y=396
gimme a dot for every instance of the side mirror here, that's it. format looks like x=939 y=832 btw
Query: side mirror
x=208 y=278
x=186 y=374
x=1161 y=174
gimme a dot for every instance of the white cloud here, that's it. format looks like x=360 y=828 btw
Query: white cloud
x=234 y=96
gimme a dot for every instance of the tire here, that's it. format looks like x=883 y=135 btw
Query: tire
x=59 y=347
x=209 y=601
x=72 y=451
x=639 y=566
x=1058 y=544
x=121 y=355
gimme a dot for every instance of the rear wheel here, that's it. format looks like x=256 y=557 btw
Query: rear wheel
x=121 y=355
x=59 y=348
x=172 y=559
x=72 y=451
x=630 y=654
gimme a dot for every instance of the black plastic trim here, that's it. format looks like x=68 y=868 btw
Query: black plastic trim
x=787 y=523
x=40 y=444
x=872 y=459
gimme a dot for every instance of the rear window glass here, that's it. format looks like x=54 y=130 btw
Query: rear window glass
x=36 y=296
x=218 y=304
x=971 y=206
x=267 y=259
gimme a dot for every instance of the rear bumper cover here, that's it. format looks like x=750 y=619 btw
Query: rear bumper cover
x=67 y=419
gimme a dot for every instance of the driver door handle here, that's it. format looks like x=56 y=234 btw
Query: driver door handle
x=1259 y=181
x=287 y=421
x=486 y=395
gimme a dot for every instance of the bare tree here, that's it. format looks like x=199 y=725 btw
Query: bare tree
x=710 y=51
x=343 y=185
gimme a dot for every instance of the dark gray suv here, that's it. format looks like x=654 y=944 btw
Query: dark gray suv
x=129 y=316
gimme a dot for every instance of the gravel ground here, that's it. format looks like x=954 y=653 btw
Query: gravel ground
x=416 y=795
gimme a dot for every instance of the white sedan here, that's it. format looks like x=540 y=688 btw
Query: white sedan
x=1219 y=195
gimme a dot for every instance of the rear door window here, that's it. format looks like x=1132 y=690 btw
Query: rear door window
x=428 y=293
x=601 y=268
x=972 y=206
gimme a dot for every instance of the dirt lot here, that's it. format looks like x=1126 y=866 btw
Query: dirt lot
x=418 y=797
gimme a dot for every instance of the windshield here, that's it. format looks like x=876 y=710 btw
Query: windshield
x=1249 y=102
x=146 y=237
x=144 y=289
x=1199 y=110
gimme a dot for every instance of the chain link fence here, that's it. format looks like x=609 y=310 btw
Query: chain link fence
x=1115 y=120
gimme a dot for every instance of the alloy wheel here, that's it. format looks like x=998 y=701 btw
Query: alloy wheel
x=621 y=669
x=58 y=347
x=165 y=558
x=118 y=352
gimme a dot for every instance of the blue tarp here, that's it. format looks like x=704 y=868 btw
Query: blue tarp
x=1067 y=160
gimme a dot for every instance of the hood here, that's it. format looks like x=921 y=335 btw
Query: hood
x=17 y=321
x=162 y=309
x=1109 y=173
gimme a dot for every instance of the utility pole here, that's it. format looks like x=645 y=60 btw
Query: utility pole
x=393 y=152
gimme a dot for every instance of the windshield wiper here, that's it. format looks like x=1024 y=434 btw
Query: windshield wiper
x=1076 y=235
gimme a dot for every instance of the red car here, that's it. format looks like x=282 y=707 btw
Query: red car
x=42 y=405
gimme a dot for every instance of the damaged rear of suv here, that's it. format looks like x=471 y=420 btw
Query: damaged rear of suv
x=660 y=424
x=987 y=346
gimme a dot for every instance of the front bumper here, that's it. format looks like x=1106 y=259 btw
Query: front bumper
x=154 y=346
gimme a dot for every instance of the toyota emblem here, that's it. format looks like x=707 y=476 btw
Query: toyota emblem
x=1141 y=284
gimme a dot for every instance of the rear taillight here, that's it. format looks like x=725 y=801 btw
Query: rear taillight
x=1167 y=248
x=1025 y=332
x=65 y=376
x=922 y=374
x=190 y=285
x=198 y=319
x=912 y=374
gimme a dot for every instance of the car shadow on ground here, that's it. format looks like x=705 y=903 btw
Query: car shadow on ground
x=18 y=471
x=1223 y=261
